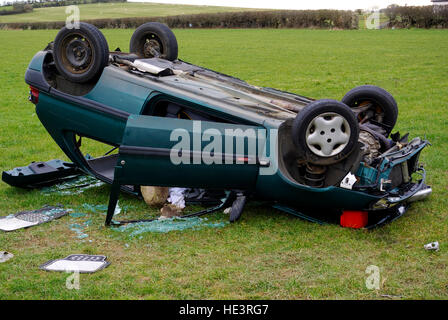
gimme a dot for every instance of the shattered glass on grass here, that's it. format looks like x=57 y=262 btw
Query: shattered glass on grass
x=168 y=225
x=102 y=208
x=81 y=226
x=74 y=186
x=80 y=223
x=78 y=215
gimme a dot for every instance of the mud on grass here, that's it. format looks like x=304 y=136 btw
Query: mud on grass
x=267 y=255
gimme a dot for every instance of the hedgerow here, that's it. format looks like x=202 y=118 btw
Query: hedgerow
x=417 y=17
x=325 y=19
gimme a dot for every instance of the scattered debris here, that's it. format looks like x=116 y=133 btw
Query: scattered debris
x=5 y=256
x=158 y=195
x=204 y=196
x=78 y=214
x=82 y=263
x=348 y=181
x=227 y=210
x=177 y=197
x=102 y=208
x=155 y=196
x=169 y=224
x=27 y=219
x=73 y=186
x=433 y=246
x=170 y=211
x=79 y=228
x=39 y=174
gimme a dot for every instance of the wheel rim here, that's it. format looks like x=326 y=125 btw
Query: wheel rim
x=152 y=46
x=328 y=134
x=366 y=110
x=77 y=53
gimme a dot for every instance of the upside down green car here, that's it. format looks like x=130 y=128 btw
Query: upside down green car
x=177 y=124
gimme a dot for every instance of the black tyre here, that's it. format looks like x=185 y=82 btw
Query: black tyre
x=326 y=130
x=80 y=55
x=154 y=39
x=373 y=104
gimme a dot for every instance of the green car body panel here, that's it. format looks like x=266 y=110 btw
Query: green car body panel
x=112 y=112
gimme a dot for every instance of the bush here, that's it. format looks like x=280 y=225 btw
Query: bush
x=417 y=17
x=325 y=19
x=17 y=8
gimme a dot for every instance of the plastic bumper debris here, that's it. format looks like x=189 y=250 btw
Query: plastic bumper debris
x=82 y=263
x=433 y=246
x=39 y=174
x=5 y=256
x=27 y=219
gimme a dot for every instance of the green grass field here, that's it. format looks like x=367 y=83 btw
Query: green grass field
x=268 y=254
x=114 y=10
x=6 y=8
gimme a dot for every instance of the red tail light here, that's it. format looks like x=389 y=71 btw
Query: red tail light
x=354 y=219
x=34 y=95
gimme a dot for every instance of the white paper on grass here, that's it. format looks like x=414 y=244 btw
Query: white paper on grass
x=10 y=224
x=177 y=197
x=5 y=256
x=80 y=266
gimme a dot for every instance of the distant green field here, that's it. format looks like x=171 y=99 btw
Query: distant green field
x=267 y=254
x=114 y=10
x=5 y=8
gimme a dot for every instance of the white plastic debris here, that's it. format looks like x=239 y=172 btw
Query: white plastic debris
x=5 y=256
x=177 y=197
x=12 y=223
x=348 y=181
x=433 y=246
x=82 y=263
x=147 y=67
x=31 y=218
x=228 y=210
x=117 y=209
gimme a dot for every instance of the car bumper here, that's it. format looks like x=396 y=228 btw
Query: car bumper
x=415 y=192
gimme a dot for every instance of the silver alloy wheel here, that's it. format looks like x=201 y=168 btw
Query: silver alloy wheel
x=328 y=134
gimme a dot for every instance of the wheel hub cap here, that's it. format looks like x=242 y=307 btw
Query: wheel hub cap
x=328 y=134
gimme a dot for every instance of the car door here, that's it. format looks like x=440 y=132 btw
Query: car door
x=163 y=151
